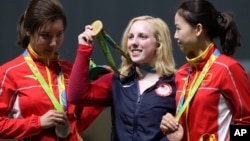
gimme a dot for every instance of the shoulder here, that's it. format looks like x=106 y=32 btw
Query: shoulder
x=169 y=80
x=228 y=63
x=226 y=60
x=13 y=64
x=104 y=81
x=65 y=64
x=183 y=67
x=182 y=70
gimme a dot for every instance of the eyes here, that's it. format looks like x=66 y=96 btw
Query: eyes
x=49 y=36
x=141 y=36
x=177 y=27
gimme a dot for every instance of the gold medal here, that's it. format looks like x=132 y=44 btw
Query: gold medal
x=97 y=26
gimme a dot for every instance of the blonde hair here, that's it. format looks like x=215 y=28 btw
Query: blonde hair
x=165 y=64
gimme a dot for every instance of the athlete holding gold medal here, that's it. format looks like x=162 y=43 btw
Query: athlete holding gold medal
x=141 y=90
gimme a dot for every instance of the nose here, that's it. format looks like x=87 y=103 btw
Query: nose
x=53 y=41
x=175 y=35
x=134 y=41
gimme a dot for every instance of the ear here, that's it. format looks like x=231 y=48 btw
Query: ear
x=199 y=29
x=158 y=44
x=27 y=33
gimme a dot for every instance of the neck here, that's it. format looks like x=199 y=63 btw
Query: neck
x=142 y=73
x=201 y=56
x=199 y=49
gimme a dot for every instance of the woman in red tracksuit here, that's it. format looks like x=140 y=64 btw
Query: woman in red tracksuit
x=33 y=85
x=212 y=88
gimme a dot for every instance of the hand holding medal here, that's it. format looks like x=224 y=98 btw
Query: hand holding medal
x=105 y=41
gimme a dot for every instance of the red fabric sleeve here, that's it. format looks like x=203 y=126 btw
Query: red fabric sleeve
x=88 y=116
x=80 y=90
x=237 y=90
x=11 y=128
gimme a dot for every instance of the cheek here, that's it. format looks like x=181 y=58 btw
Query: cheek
x=190 y=38
x=59 y=41
x=151 y=51
x=129 y=44
x=34 y=40
x=183 y=35
x=186 y=37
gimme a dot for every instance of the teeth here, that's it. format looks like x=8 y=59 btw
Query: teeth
x=136 y=50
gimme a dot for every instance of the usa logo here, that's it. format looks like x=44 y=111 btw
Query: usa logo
x=163 y=89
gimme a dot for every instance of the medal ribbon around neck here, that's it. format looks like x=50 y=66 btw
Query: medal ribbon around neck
x=61 y=86
x=181 y=107
x=147 y=68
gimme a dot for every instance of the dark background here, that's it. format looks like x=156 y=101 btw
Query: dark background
x=115 y=15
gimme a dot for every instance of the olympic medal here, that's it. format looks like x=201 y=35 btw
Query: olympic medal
x=63 y=131
x=97 y=26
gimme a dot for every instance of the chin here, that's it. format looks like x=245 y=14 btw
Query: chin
x=182 y=49
x=48 y=56
x=134 y=60
x=138 y=62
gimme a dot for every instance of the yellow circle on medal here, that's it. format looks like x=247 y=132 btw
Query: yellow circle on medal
x=97 y=26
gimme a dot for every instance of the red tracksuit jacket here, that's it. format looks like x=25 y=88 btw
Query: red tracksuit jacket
x=222 y=98
x=22 y=95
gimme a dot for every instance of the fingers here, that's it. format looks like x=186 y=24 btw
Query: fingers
x=108 y=68
x=168 y=123
x=52 y=118
x=86 y=37
x=59 y=118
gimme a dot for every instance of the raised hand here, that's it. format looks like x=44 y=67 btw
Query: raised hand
x=87 y=36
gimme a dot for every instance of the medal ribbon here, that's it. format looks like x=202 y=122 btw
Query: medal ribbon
x=61 y=87
x=105 y=40
x=147 y=68
x=181 y=107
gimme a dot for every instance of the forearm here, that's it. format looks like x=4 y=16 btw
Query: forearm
x=78 y=82
x=19 y=128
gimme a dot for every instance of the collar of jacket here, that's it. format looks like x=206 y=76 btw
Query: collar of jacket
x=45 y=60
x=200 y=61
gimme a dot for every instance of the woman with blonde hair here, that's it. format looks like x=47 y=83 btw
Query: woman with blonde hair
x=142 y=91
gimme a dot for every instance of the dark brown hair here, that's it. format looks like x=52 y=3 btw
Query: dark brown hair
x=37 y=14
x=215 y=23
